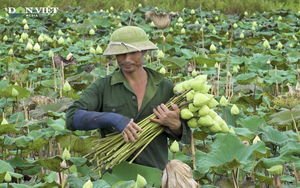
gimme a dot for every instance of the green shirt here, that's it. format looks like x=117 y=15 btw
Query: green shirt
x=113 y=93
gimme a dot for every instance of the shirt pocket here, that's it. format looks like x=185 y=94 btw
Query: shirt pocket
x=114 y=107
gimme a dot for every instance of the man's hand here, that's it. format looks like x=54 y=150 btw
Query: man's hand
x=169 y=118
x=130 y=131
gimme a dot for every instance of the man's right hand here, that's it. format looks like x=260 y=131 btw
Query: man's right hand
x=130 y=131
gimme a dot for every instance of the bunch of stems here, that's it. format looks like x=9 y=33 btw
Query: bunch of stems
x=112 y=149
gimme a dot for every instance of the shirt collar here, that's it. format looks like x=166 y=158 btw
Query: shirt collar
x=118 y=77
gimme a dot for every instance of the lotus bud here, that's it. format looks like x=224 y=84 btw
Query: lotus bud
x=50 y=54
x=193 y=123
x=24 y=36
x=205 y=121
x=24 y=21
x=242 y=35
x=193 y=108
x=205 y=20
x=67 y=87
x=63 y=164
x=279 y=18
x=279 y=45
x=37 y=47
x=212 y=103
x=235 y=70
x=245 y=13
x=204 y=66
x=201 y=29
x=4 y=121
x=216 y=18
x=7 y=177
x=178 y=88
x=160 y=54
x=99 y=50
x=192 y=11
x=10 y=52
x=180 y=20
x=231 y=130
x=226 y=34
x=69 y=40
x=60 y=32
x=21 y=40
x=174 y=147
x=276 y=170
x=92 y=32
x=61 y=40
x=171 y=29
x=194 y=73
x=234 y=110
x=203 y=111
x=152 y=24
x=254 y=24
x=31 y=41
x=220 y=44
x=16 y=84
x=197 y=84
x=196 y=22
x=186 y=114
x=120 y=25
x=74 y=21
x=88 y=184
x=5 y=38
x=182 y=31
x=54 y=38
x=200 y=99
x=266 y=44
x=212 y=48
x=235 y=25
x=66 y=154
x=162 y=70
x=214 y=31
x=268 y=62
x=223 y=101
x=291 y=45
x=14 y=92
x=92 y=50
x=253 y=28
x=216 y=65
x=139 y=5
x=26 y=27
x=141 y=181
x=111 y=8
x=68 y=20
x=39 y=71
x=256 y=139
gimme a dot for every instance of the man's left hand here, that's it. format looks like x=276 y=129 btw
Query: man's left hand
x=169 y=118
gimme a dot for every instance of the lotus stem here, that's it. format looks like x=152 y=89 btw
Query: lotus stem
x=193 y=150
x=231 y=39
x=295 y=126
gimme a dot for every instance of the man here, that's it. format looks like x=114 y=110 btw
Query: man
x=117 y=102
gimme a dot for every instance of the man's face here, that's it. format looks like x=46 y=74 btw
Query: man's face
x=131 y=62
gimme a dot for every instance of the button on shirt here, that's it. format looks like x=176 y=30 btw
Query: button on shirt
x=113 y=93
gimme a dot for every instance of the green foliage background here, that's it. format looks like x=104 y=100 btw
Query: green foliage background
x=225 y=6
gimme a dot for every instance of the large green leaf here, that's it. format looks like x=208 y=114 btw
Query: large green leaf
x=284 y=117
x=251 y=122
x=120 y=173
x=227 y=153
x=174 y=63
x=52 y=163
x=271 y=135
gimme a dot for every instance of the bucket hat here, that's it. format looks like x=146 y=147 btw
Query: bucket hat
x=128 y=39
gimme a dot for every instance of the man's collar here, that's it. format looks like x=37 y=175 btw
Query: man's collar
x=118 y=77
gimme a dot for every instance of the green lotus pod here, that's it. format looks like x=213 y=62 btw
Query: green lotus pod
x=215 y=128
x=186 y=114
x=193 y=123
x=37 y=47
x=256 y=139
x=203 y=111
x=162 y=70
x=178 y=88
x=88 y=184
x=174 y=147
x=206 y=121
x=193 y=108
x=212 y=103
x=92 y=50
x=205 y=88
x=223 y=101
x=197 y=84
x=61 y=40
x=4 y=121
x=276 y=170
x=190 y=95
x=7 y=177
x=60 y=32
x=14 y=92
x=141 y=181
x=200 y=99
x=212 y=113
x=194 y=73
x=67 y=86
x=187 y=84
x=66 y=154
x=234 y=110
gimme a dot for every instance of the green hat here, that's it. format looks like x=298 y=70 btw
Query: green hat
x=128 y=39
